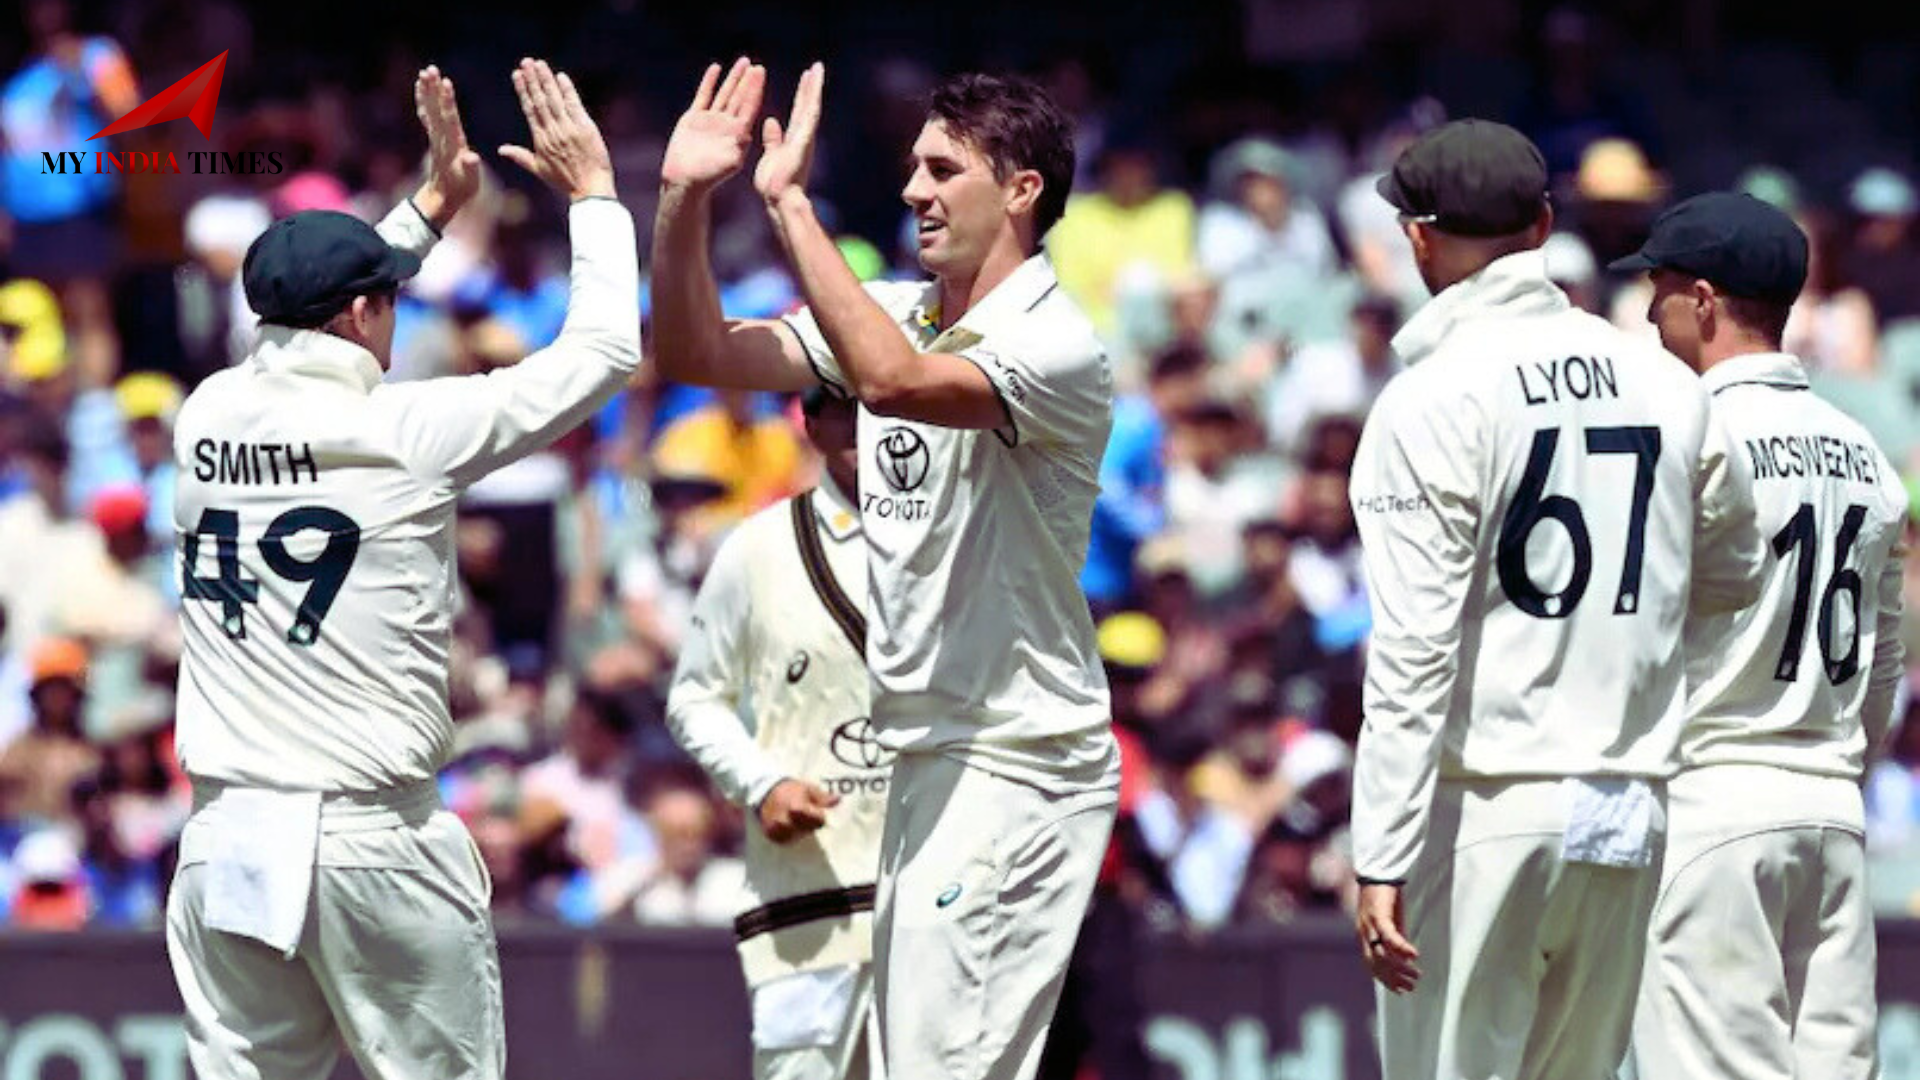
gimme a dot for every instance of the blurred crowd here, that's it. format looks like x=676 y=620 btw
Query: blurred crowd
x=1238 y=263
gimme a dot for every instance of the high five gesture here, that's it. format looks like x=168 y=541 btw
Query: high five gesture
x=710 y=142
x=788 y=154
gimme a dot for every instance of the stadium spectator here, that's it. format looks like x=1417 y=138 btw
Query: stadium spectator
x=1885 y=255
x=148 y=401
x=64 y=228
x=1131 y=236
x=1214 y=487
x=1255 y=223
x=689 y=884
x=1133 y=473
x=216 y=325
x=51 y=894
x=38 y=769
x=1340 y=377
x=754 y=453
x=573 y=811
x=1832 y=325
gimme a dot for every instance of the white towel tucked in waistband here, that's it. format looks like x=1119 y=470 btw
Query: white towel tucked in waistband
x=260 y=870
x=1611 y=821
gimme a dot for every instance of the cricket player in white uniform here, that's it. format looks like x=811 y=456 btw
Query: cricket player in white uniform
x=323 y=894
x=1541 y=497
x=770 y=696
x=1761 y=960
x=986 y=402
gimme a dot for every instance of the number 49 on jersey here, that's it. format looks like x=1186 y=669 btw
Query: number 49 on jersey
x=230 y=587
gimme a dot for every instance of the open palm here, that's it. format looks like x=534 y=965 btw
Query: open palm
x=710 y=142
x=452 y=166
x=788 y=154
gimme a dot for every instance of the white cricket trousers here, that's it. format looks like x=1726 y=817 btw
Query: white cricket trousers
x=1761 y=964
x=1528 y=964
x=983 y=885
x=817 y=1025
x=397 y=957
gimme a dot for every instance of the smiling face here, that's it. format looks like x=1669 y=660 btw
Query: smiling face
x=961 y=209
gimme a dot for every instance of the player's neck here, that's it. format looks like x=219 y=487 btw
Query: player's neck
x=961 y=293
x=1719 y=351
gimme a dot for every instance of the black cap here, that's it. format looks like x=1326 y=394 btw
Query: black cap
x=308 y=266
x=816 y=398
x=1470 y=178
x=1741 y=245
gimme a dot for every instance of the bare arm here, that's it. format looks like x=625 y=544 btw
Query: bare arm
x=693 y=341
x=879 y=365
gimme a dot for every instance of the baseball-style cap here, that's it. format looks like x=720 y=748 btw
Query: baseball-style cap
x=308 y=266
x=1469 y=178
x=1740 y=244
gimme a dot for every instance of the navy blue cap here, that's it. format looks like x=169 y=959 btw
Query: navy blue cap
x=1741 y=245
x=1469 y=178
x=307 y=267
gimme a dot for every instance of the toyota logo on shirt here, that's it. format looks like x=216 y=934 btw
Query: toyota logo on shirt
x=856 y=746
x=903 y=458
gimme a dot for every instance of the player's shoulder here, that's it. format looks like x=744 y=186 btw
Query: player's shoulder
x=214 y=396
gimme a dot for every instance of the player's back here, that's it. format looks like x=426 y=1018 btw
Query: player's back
x=1784 y=682
x=316 y=584
x=1572 y=454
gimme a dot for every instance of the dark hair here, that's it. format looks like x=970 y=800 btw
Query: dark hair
x=1017 y=126
x=1178 y=361
x=1765 y=317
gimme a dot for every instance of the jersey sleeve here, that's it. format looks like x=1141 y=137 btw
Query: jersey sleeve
x=1055 y=387
x=1889 y=648
x=894 y=297
x=405 y=227
x=709 y=684
x=1729 y=555
x=1416 y=501
x=468 y=426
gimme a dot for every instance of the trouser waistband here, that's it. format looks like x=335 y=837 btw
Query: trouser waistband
x=352 y=811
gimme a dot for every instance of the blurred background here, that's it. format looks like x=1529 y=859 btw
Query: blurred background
x=1225 y=237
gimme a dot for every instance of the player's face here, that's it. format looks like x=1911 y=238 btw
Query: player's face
x=959 y=208
x=1675 y=312
x=834 y=432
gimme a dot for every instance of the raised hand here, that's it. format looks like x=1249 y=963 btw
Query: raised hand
x=568 y=151
x=788 y=154
x=453 y=169
x=710 y=140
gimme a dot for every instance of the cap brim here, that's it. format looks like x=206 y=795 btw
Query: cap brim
x=1633 y=264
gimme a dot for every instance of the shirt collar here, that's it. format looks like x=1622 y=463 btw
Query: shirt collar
x=1022 y=291
x=316 y=354
x=1767 y=369
x=835 y=511
x=1512 y=285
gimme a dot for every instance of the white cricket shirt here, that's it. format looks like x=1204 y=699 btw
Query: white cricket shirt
x=1538 y=495
x=980 y=643
x=773 y=684
x=1805 y=679
x=315 y=510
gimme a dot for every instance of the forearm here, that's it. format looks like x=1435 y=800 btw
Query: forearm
x=688 y=326
x=709 y=730
x=873 y=356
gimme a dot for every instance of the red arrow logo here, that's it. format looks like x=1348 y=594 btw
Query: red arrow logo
x=193 y=97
